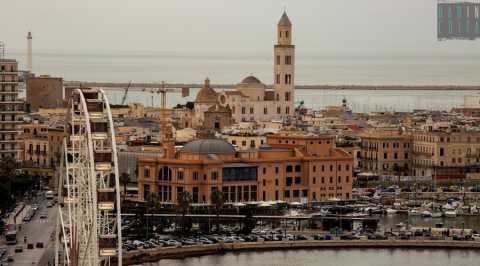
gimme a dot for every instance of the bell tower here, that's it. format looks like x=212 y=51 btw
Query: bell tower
x=284 y=68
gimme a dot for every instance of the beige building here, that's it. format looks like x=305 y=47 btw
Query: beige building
x=11 y=110
x=251 y=100
x=245 y=140
x=45 y=92
x=447 y=156
x=386 y=152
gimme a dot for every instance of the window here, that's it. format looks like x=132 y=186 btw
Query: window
x=276 y=169
x=243 y=110
x=395 y=155
x=289 y=169
x=264 y=182
x=265 y=110
x=298 y=168
x=296 y=193
x=251 y=110
x=288 y=79
x=323 y=168
x=264 y=170
x=195 y=175
x=339 y=167
x=314 y=180
x=331 y=179
x=287 y=110
x=323 y=180
x=331 y=167
x=276 y=182
x=339 y=179
x=180 y=175
x=288 y=181
x=314 y=168
x=347 y=166
x=277 y=80
x=214 y=175
x=279 y=111
x=288 y=60
x=442 y=152
x=287 y=193
x=252 y=143
x=276 y=194
x=347 y=179
x=287 y=34
x=287 y=96
x=298 y=180
x=146 y=172
x=277 y=61
x=384 y=155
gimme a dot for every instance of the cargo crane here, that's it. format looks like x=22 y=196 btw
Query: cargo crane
x=124 y=98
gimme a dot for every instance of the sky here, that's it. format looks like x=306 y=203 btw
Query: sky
x=225 y=27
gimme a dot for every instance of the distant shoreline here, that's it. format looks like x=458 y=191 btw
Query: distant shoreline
x=150 y=85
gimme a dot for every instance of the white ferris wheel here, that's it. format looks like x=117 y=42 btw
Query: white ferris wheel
x=89 y=221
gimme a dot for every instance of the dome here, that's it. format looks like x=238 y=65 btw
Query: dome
x=206 y=94
x=251 y=80
x=208 y=146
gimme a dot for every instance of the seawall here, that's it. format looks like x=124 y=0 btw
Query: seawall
x=152 y=255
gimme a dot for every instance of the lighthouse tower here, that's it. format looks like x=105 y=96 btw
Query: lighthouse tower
x=29 y=51
x=284 y=68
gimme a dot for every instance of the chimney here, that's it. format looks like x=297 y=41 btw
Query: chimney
x=29 y=52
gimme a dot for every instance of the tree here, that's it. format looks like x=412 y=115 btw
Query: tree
x=153 y=202
x=184 y=199
x=217 y=198
x=124 y=179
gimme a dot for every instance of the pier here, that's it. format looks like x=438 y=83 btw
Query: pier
x=173 y=86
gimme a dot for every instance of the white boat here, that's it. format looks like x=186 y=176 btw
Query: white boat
x=391 y=211
x=436 y=214
x=450 y=214
x=426 y=214
x=413 y=212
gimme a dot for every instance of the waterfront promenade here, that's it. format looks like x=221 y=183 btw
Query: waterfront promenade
x=152 y=255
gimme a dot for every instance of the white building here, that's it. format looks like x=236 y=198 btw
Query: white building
x=251 y=100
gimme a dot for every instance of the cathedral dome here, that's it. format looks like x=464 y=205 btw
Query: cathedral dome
x=209 y=146
x=251 y=80
x=206 y=94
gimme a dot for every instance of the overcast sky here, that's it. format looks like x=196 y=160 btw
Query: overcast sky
x=321 y=27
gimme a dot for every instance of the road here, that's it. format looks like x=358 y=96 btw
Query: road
x=36 y=230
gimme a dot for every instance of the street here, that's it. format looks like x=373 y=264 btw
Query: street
x=37 y=230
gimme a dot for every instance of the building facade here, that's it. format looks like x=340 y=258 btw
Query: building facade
x=386 y=153
x=290 y=168
x=251 y=100
x=11 y=110
x=44 y=92
x=447 y=156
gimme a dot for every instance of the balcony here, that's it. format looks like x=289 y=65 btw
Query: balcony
x=10 y=121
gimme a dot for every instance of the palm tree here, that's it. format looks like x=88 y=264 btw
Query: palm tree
x=217 y=199
x=124 y=179
x=184 y=199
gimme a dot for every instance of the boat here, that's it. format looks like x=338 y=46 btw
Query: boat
x=413 y=212
x=436 y=214
x=426 y=214
x=450 y=214
x=400 y=225
x=391 y=211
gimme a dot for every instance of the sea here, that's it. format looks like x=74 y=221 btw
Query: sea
x=178 y=67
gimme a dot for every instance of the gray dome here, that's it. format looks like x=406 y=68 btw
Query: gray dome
x=209 y=146
x=251 y=80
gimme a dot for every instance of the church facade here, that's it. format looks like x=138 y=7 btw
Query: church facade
x=251 y=100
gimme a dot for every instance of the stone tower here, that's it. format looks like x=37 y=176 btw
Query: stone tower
x=284 y=68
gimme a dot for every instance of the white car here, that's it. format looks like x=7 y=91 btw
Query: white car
x=476 y=237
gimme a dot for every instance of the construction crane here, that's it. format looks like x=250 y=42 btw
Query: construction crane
x=167 y=140
x=124 y=98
